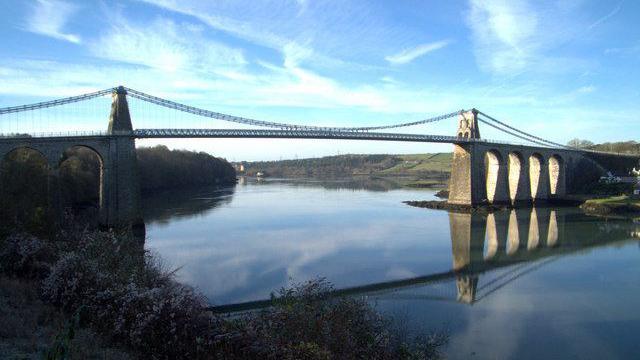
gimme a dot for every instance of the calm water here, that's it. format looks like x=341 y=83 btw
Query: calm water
x=543 y=283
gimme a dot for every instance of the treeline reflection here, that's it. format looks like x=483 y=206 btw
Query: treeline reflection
x=170 y=205
x=351 y=183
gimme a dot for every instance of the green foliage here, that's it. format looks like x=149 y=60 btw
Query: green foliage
x=80 y=177
x=329 y=166
x=34 y=200
x=620 y=199
x=429 y=164
x=24 y=192
x=161 y=168
x=614 y=189
x=61 y=347
x=620 y=205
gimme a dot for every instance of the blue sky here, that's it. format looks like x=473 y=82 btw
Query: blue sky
x=558 y=69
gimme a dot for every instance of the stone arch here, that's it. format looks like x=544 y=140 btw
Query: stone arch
x=516 y=178
x=537 y=178
x=11 y=151
x=556 y=175
x=76 y=163
x=494 y=177
x=463 y=127
x=24 y=182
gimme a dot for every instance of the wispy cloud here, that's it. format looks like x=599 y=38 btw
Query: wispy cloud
x=503 y=34
x=408 y=55
x=242 y=29
x=231 y=57
x=611 y=14
x=628 y=50
x=165 y=45
x=518 y=36
x=324 y=29
x=586 y=89
x=49 y=17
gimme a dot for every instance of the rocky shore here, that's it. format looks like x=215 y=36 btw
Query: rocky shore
x=485 y=207
x=444 y=205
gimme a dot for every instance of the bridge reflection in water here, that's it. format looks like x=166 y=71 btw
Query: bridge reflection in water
x=492 y=250
x=505 y=245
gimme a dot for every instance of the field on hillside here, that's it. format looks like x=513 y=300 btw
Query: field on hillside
x=418 y=169
x=421 y=163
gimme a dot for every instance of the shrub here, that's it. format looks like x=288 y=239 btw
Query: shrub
x=307 y=322
x=73 y=281
x=24 y=255
x=122 y=292
x=167 y=320
x=127 y=296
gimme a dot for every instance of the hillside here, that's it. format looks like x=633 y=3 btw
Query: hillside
x=419 y=166
x=623 y=147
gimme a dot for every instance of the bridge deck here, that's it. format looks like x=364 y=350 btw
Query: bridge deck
x=246 y=133
x=293 y=134
x=269 y=134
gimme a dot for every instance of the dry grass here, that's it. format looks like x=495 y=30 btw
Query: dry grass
x=106 y=282
x=614 y=200
x=29 y=326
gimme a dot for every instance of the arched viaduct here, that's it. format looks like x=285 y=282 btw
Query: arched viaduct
x=499 y=173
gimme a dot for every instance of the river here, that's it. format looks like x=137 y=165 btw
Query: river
x=526 y=284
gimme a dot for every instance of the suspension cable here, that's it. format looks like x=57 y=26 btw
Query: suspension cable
x=211 y=114
x=57 y=102
x=242 y=120
x=511 y=133
x=220 y=116
x=520 y=131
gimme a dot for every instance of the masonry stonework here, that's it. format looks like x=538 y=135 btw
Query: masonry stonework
x=119 y=193
x=485 y=173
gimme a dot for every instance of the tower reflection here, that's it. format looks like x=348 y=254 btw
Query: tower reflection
x=491 y=250
x=482 y=242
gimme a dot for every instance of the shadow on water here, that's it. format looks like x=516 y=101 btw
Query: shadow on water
x=170 y=205
x=498 y=248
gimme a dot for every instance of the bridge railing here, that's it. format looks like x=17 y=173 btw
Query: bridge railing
x=54 y=134
x=168 y=133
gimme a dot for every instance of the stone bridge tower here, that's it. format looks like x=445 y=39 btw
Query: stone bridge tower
x=468 y=125
x=121 y=201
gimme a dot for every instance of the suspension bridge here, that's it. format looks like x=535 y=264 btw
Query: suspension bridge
x=483 y=171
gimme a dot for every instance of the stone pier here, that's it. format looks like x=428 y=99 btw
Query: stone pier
x=497 y=173
x=119 y=193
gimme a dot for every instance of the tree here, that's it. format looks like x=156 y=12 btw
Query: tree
x=580 y=143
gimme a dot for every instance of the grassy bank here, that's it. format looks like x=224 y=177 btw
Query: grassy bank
x=618 y=205
x=105 y=285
